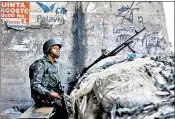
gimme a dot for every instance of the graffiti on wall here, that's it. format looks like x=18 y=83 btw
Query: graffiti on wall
x=152 y=43
x=122 y=37
x=140 y=19
x=148 y=43
x=123 y=34
x=15 y=14
x=129 y=30
x=96 y=26
x=126 y=12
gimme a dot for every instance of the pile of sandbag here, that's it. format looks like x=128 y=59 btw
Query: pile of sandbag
x=119 y=88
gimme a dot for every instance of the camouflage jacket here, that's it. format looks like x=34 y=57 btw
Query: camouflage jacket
x=44 y=79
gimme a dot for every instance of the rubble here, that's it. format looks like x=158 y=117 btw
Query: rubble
x=12 y=113
x=121 y=87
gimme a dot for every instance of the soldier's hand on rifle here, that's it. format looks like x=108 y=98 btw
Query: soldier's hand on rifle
x=55 y=95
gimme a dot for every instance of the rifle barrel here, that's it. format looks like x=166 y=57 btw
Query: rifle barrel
x=113 y=52
x=127 y=41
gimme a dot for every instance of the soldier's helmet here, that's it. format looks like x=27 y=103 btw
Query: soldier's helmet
x=50 y=43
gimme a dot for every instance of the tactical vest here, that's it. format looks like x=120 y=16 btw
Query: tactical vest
x=51 y=78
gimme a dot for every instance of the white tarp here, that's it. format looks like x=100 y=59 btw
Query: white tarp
x=121 y=87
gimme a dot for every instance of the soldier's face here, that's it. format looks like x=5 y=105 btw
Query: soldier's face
x=55 y=50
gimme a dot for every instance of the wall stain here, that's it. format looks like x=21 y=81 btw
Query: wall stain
x=78 y=51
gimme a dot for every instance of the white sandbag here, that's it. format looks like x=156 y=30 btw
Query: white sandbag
x=127 y=82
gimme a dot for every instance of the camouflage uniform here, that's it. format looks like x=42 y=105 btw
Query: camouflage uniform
x=44 y=79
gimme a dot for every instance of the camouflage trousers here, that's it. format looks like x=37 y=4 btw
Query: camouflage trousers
x=46 y=101
x=60 y=106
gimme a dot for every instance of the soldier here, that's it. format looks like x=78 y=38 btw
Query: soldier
x=45 y=81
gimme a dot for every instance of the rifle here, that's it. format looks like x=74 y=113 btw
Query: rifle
x=113 y=52
x=63 y=101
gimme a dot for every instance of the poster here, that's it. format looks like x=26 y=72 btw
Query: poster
x=15 y=14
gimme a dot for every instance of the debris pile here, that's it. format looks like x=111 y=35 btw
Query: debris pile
x=12 y=113
x=123 y=87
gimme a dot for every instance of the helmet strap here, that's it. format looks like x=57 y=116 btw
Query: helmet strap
x=52 y=54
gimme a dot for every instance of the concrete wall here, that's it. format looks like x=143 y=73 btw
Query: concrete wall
x=85 y=30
